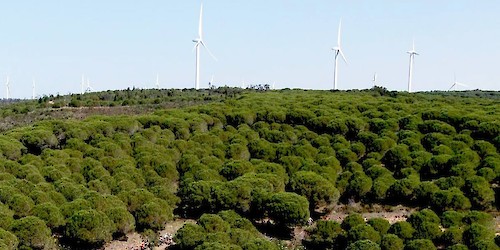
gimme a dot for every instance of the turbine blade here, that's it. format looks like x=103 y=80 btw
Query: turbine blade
x=200 y=26
x=343 y=56
x=208 y=50
x=339 y=33
x=452 y=86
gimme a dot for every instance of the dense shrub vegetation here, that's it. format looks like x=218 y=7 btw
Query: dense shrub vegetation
x=248 y=157
x=423 y=230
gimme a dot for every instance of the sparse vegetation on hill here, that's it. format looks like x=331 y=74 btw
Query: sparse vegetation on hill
x=244 y=161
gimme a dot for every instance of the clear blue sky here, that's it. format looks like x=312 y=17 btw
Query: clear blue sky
x=125 y=43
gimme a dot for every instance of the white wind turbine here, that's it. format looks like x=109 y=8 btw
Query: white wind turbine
x=82 y=91
x=210 y=84
x=33 y=95
x=455 y=84
x=157 y=81
x=338 y=51
x=199 y=42
x=89 y=88
x=412 y=53
x=374 y=79
x=7 y=85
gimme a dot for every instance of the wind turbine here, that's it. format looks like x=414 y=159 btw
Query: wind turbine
x=199 y=42
x=7 y=85
x=88 y=89
x=34 y=86
x=157 y=81
x=412 y=53
x=455 y=84
x=82 y=84
x=211 y=83
x=338 y=51
x=374 y=79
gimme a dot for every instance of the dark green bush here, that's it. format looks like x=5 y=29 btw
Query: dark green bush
x=391 y=242
x=32 y=233
x=288 y=209
x=420 y=244
x=89 y=227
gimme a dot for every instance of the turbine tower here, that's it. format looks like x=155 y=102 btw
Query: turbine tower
x=338 y=51
x=7 y=85
x=412 y=53
x=198 y=43
x=374 y=79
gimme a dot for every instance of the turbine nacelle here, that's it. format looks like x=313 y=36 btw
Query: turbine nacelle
x=197 y=40
x=412 y=51
x=338 y=51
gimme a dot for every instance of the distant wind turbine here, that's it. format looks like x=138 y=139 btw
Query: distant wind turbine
x=157 y=81
x=7 y=85
x=33 y=95
x=199 y=42
x=338 y=51
x=211 y=83
x=89 y=88
x=455 y=84
x=374 y=79
x=82 y=91
x=412 y=53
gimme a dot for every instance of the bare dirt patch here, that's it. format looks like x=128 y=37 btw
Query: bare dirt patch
x=393 y=215
x=135 y=239
x=338 y=214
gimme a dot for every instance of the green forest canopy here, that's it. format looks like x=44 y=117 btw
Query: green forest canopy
x=279 y=155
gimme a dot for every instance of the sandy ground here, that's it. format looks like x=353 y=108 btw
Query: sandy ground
x=171 y=228
x=398 y=213
x=134 y=239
